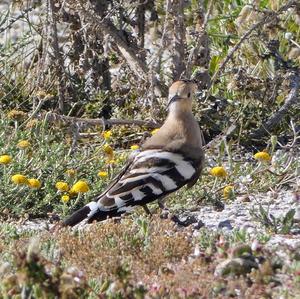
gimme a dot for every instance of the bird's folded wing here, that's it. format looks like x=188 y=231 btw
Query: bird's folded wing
x=152 y=174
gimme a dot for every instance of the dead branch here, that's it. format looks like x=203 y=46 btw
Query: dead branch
x=58 y=58
x=178 y=52
x=137 y=65
x=140 y=15
x=88 y=122
x=291 y=100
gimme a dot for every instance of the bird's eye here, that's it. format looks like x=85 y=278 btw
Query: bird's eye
x=189 y=94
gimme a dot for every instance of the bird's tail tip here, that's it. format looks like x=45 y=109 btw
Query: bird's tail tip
x=84 y=213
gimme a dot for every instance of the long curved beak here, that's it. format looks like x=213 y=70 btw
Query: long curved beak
x=172 y=100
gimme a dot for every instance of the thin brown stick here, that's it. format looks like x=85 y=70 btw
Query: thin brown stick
x=88 y=122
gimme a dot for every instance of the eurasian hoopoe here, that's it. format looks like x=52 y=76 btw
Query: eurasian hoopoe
x=170 y=159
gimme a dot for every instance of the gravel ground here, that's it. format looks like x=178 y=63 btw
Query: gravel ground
x=235 y=215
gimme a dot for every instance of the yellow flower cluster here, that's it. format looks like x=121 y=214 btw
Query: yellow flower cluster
x=5 y=159
x=80 y=187
x=34 y=183
x=65 y=198
x=20 y=179
x=107 y=134
x=62 y=186
x=228 y=192
x=23 y=144
x=218 y=172
x=262 y=157
x=108 y=150
x=134 y=147
x=16 y=114
x=102 y=174
x=31 y=123
x=71 y=172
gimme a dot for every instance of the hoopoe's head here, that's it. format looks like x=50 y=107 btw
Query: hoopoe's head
x=180 y=95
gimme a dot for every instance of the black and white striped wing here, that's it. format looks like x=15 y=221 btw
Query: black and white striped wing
x=152 y=174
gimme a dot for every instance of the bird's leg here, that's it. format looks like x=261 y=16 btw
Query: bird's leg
x=161 y=204
x=146 y=209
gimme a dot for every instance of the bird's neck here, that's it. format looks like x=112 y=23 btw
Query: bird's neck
x=178 y=113
x=180 y=108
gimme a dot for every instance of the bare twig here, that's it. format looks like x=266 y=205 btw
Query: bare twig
x=58 y=58
x=87 y=122
x=218 y=139
x=296 y=137
x=292 y=99
x=178 y=56
x=136 y=64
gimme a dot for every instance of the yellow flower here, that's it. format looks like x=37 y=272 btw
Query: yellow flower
x=34 y=183
x=19 y=179
x=5 y=159
x=41 y=94
x=23 y=144
x=102 y=174
x=16 y=114
x=218 y=171
x=134 y=147
x=106 y=134
x=111 y=162
x=70 y=172
x=65 y=198
x=228 y=192
x=262 y=156
x=108 y=150
x=62 y=186
x=80 y=187
x=31 y=123
x=154 y=131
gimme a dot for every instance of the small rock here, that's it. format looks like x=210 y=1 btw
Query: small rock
x=219 y=206
x=53 y=217
x=186 y=222
x=245 y=199
x=225 y=224
x=198 y=225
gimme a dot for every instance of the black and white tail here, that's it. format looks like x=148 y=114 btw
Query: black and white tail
x=151 y=175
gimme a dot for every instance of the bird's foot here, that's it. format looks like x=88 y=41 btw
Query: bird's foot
x=162 y=205
x=190 y=220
